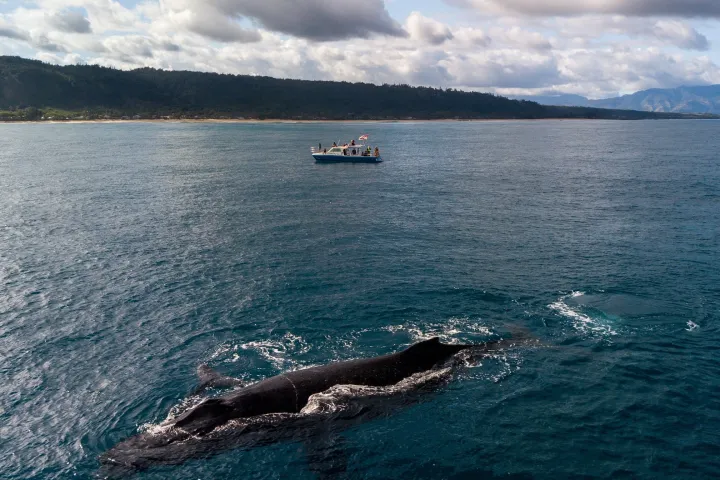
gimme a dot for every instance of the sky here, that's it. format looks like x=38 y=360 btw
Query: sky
x=595 y=48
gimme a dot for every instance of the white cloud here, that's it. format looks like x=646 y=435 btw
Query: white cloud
x=520 y=38
x=320 y=20
x=11 y=31
x=472 y=37
x=505 y=69
x=213 y=25
x=680 y=34
x=619 y=69
x=657 y=32
x=42 y=42
x=427 y=30
x=102 y=15
x=71 y=22
x=68 y=59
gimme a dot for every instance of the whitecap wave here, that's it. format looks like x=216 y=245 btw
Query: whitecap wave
x=692 y=326
x=581 y=322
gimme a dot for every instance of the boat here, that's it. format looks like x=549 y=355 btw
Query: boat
x=352 y=152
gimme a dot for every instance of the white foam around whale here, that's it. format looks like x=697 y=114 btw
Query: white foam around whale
x=332 y=399
x=448 y=331
x=282 y=352
x=279 y=352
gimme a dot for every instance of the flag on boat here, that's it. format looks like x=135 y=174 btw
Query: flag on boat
x=363 y=137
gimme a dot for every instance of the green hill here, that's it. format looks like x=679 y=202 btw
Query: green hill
x=32 y=90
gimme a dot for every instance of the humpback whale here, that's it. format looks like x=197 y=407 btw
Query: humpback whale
x=290 y=406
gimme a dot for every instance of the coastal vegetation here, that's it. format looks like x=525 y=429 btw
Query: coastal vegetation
x=31 y=90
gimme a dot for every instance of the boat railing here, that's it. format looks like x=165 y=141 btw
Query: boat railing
x=360 y=150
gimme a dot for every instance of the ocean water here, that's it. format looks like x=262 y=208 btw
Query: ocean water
x=132 y=253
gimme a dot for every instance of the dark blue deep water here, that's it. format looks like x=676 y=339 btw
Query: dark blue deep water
x=131 y=253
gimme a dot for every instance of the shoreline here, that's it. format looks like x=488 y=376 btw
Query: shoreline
x=286 y=121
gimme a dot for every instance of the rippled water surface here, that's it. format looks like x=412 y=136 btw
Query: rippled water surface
x=131 y=253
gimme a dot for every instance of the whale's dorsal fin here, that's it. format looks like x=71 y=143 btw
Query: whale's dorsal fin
x=434 y=346
x=209 y=378
x=430 y=341
x=421 y=346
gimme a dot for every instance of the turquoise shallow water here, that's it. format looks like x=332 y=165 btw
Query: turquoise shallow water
x=131 y=253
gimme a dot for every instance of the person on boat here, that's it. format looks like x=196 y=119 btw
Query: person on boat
x=352 y=142
x=319 y=146
x=334 y=144
x=377 y=152
x=324 y=150
x=353 y=152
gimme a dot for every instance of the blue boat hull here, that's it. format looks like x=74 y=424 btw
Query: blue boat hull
x=325 y=158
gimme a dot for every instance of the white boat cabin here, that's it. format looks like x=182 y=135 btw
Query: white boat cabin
x=353 y=150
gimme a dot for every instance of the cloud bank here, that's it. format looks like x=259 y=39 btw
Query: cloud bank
x=636 y=8
x=595 y=48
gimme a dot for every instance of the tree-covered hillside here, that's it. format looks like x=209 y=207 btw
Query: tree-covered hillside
x=32 y=90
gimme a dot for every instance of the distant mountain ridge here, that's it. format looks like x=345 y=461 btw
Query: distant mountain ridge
x=33 y=90
x=704 y=99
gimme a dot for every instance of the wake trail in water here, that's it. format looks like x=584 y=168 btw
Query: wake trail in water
x=582 y=322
